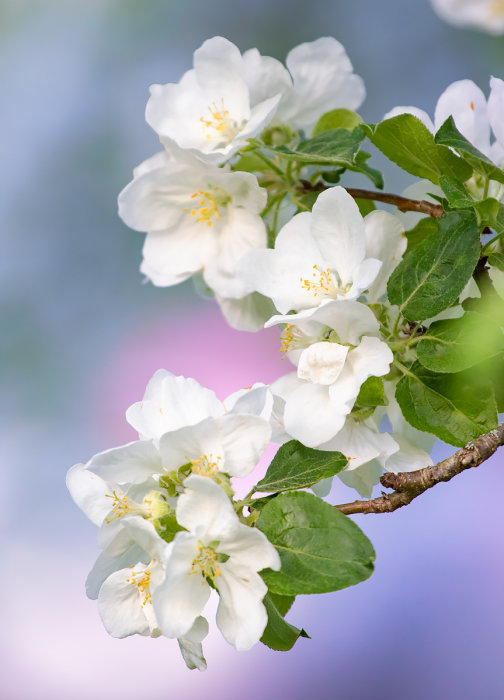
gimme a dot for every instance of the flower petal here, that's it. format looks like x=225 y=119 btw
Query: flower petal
x=385 y=240
x=205 y=509
x=322 y=362
x=131 y=463
x=310 y=416
x=466 y=103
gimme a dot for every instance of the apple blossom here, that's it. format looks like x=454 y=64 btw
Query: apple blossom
x=219 y=549
x=486 y=15
x=198 y=218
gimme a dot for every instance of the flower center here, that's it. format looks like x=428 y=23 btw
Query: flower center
x=206 y=563
x=293 y=338
x=205 y=465
x=141 y=579
x=497 y=8
x=220 y=123
x=324 y=283
x=153 y=506
x=207 y=205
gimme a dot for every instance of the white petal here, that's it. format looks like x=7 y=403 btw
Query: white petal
x=385 y=240
x=89 y=492
x=350 y=319
x=107 y=564
x=190 y=645
x=241 y=615
x=181 y=597
x=465 y=102
x=360 y=444
x=171 y=402
x=256 y=400
x=322 y=362
x=178 y=447
x=408 y=458
x=310 y=416
x=132 y=463
x=120 y=605
x=205 y=509
x=243 y=438
x=496 y=109
x=338 y=228
x=250 y=547
x=363 y=478
x=418 y=113
x=323 y=80
x=248 y=313
x=265 y=76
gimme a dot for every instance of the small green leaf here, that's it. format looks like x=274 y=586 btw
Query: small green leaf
x=250 y=162
x=167 y=526
x=366 y=206
x=279 y=634
x=496 y=260
x=424 y=228
x=296 y=467
x=320 y=549
x=306 y=201
x=431 y=276
x=283 y=603
x=408 y=143
x=449 y=135
x=337 y=119
x=372 y=393
x=455 y=192
x=456 y=344
x=361 y=166
x=455 y=407
x=333 y=147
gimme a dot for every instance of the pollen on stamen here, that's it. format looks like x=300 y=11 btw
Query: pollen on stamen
x=120 y=505
x=322 y=285
x=206 y=564
x=142 y=583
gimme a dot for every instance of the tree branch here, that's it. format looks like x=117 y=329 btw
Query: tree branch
x=402 y=203
x=409 y=485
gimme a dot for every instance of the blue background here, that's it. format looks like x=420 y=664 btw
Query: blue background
x=80 y=337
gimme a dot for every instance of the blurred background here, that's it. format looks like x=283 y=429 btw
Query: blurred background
x=81 y=335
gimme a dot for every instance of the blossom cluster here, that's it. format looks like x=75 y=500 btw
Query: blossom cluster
x=376 y=313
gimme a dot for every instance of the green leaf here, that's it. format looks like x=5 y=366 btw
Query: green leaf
x=424 y=228
x=431 y=277
x=307 y=201
x=455 y=192
x=333 y=147
x=283 y=603
x=337 y=119
x=279 y=634
x=408 y=143
x=296 y=467
x=456 y=344
x=496 y=260
x=366 y=206
x=492 y=372
x=372 y=393
x=250 y=162
x=449 y=135
x=320 y=549
x=455 y=407
x=361 y=166
x=167 y=526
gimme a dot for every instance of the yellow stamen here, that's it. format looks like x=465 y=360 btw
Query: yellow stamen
x=120 y=505
x=208 y=207
x=205 y=465
x=141 y=579
x=206 y=564
x=220 y=122
x=497 y=8
x=323 y=282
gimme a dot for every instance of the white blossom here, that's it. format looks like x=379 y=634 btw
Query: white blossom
x=222 y=102
x=220 y=549
x=198 y=218
x=486 y=15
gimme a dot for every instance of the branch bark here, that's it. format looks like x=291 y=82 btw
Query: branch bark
x=409 y=485
x=402 y=203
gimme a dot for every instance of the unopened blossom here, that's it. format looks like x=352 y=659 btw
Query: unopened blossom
x=319 y=255
x=198 y=218
x=486 y=15
x=222 y=102
x=335 y=350
x=218 y=548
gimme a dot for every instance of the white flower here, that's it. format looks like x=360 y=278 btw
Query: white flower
x=222 y=102
x=487 y=15
x=220 y=549
x=198 y=218
x=322 y=80
x=474 y=117
x=330 y=371
x=319 y=255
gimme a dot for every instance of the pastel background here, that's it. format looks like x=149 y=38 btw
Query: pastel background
x=80 y=337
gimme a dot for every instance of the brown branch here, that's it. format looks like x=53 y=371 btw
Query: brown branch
x=409 y=485
x=402 y=203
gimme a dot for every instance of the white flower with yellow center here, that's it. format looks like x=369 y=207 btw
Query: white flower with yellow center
x=222 y=102
x=218 y=550
x=335 y=350
x=487 y=15
x=198 y=218
x=320 y=256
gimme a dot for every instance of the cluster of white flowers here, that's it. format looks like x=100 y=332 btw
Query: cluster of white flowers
x=168 y=528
